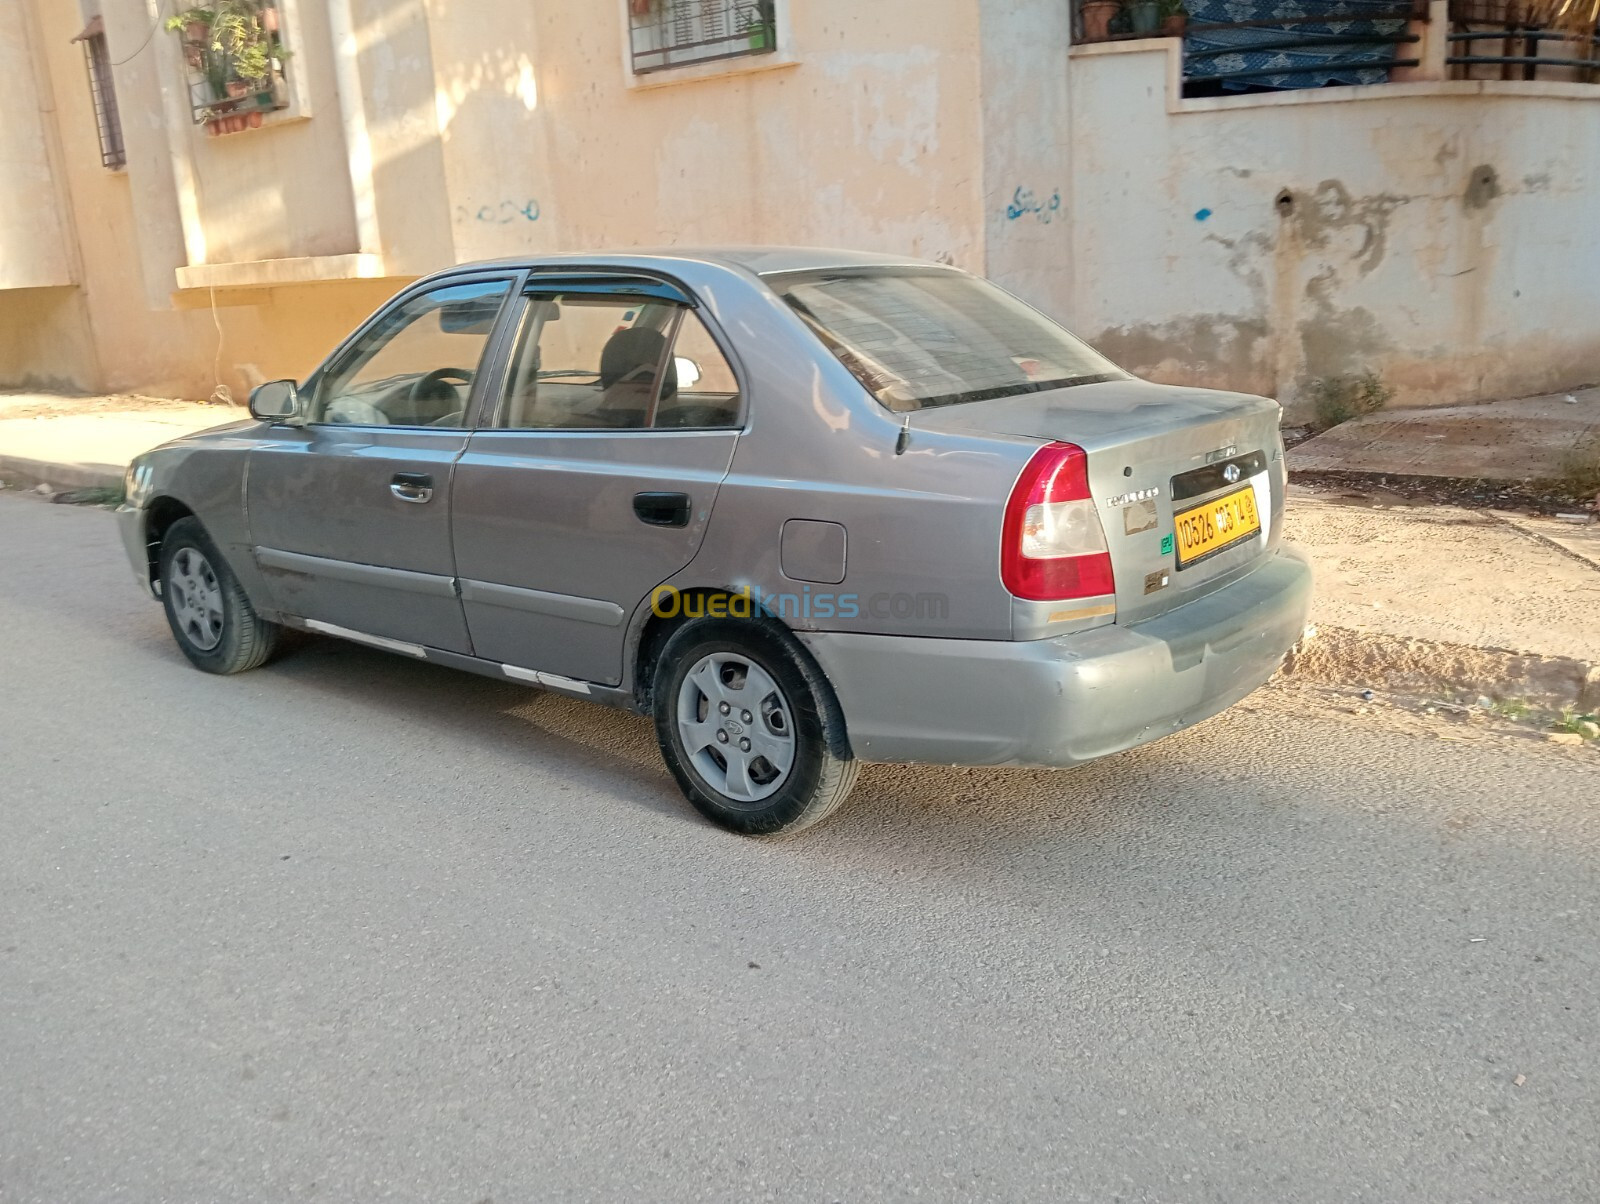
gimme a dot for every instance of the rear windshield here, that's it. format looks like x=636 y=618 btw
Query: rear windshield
x=917 y=339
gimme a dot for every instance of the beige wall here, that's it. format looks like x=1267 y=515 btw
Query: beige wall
x=1437 y=234
x=428 y=132
x=107 y=334
x=34 y=221
x=282 y=191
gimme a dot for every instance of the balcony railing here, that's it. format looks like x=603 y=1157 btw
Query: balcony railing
x=1490 y=39
x=1257 y=45
x=1232 y=46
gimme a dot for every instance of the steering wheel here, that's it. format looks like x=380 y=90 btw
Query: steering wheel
x=436 y=386
x=352 y=411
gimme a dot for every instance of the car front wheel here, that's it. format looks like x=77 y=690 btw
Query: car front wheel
x=211 y=618
x=749 y=728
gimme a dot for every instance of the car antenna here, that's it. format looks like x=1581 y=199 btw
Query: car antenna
x=905 y=437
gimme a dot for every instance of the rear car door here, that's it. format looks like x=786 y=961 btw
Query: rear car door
x=350 y=513
x=593 y=479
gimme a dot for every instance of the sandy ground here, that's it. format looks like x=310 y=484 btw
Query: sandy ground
x=352 y=927
x=1453 y=576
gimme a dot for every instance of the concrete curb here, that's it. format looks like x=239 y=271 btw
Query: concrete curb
x=22 y=471
x=1343 y=656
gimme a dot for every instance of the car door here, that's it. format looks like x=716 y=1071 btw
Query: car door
x=350 y=512
x=593 y=479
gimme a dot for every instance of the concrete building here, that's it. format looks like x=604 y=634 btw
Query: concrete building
x=158 y=234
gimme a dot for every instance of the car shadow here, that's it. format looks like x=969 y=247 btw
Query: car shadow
x=614 y=750
x=939 y=806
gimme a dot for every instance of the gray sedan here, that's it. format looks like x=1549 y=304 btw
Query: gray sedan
x=806 y=508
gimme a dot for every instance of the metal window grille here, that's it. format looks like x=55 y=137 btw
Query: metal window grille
x=1491 y=39
x=102 y=89
x=673 y=33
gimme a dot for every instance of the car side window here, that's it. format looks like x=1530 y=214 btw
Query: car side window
x=416 y=365
x=588 y=361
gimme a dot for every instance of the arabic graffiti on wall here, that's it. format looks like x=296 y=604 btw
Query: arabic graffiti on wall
x=1025 y=203
x=503 y=214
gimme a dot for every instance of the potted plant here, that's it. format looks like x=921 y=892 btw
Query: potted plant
x=1144 y=17
x=756 y=24
x=1097 y=16
x=195 y=26
x=1174 y=18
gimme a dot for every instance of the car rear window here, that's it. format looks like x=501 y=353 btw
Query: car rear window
x=921 y=338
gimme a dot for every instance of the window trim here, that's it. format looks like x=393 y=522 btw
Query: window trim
x=103 y=95
x=488 y=418
x=782 y=56
x=290 y=84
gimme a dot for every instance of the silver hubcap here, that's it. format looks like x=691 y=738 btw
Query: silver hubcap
x=196 y=599
x=736 y=726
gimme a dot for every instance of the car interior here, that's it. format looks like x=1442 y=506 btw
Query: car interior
x=592 y=361
x=582 y=361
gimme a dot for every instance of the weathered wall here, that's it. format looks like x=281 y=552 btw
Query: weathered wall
x=1027 y=153
x=34 y=225
x=1437 y=234
x=282 y=191
x=871 y=140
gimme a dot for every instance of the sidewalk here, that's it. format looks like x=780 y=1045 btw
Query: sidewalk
x=1526 y=439
x=87 y=442
x=1450 y=602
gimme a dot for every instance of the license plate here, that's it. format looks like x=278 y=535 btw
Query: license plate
x=1220 y=523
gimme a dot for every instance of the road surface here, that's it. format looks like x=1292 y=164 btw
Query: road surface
x=353 y=928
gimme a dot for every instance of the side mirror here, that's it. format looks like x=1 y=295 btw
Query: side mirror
x=688 y=371
x=275 y=401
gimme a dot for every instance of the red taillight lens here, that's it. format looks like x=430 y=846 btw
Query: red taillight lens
x=1052 y=545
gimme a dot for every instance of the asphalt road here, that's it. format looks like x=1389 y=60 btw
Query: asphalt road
x=352 y=928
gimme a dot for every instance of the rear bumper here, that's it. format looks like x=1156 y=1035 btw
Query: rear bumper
x=1071 y=699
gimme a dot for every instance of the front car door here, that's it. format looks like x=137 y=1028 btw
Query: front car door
x=592 y=481
x=350 y=513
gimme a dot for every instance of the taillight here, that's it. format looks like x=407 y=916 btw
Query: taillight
x=1052 y=545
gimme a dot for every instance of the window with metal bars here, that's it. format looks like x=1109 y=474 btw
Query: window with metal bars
x=103 y=91
x=676 y=33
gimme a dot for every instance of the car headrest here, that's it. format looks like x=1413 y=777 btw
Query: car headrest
x=637 y=350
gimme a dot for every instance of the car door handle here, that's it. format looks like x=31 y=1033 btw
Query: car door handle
x=412 y=487
x=662 y=509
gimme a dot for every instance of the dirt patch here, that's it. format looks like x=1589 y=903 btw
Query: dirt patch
x=1342 y=656
x=16 y=404
x=1470 y=493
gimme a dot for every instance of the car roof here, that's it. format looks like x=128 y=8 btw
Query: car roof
x=762 y=261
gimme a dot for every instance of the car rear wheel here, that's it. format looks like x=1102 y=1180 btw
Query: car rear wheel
x=749 y=728
x=212 y=620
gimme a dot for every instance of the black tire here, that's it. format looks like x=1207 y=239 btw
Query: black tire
x=822 y=771
x=243 y=640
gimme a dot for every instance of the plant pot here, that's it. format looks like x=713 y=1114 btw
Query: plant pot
x=269 y=19
x=254 y=119
x=238 y=89
x=197 y=32
x=1175 y=25
x=1097 y=16
x=1144 y=17
x=760 y=38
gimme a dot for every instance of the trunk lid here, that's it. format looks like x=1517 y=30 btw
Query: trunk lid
x=1155 y=452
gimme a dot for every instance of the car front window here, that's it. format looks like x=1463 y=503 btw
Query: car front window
x=917 y=338
x=414 y=366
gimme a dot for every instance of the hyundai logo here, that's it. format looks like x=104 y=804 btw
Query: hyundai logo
x=1230 y=474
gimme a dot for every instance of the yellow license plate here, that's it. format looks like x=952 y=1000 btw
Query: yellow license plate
x=1220 y=523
